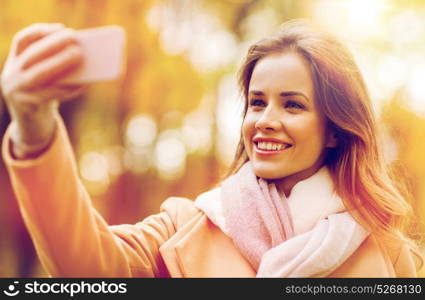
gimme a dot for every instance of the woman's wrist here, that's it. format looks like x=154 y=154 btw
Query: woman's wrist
x=33 y=131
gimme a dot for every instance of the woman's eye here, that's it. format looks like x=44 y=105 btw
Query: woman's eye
x=293 y=105
x=257 y=102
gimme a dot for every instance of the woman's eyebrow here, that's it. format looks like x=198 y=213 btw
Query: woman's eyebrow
x=256 y=93
x=282 y=94
x=293 y=93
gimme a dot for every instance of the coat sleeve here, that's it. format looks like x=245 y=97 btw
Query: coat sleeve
x=70 y=236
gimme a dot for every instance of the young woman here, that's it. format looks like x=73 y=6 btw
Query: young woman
x=308 y=194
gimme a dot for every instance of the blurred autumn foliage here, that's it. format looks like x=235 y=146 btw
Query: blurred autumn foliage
x=169 y=127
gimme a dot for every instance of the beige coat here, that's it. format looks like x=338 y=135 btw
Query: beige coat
x=72 y=239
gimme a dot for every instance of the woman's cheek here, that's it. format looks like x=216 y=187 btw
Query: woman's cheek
x=248 y=130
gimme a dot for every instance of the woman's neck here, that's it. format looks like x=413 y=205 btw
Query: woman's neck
x=285 y=185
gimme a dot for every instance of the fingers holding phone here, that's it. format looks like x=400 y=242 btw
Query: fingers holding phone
x=30 y=34
x=40 y=55
x=49 y=59
x=48 y=62
x=48 y=56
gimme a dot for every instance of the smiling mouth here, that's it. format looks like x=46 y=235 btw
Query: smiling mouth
x=270 y=147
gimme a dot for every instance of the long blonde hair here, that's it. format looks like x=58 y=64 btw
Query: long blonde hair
x=361 y=176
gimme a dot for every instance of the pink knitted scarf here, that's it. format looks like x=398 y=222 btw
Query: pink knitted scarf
x=256 y=216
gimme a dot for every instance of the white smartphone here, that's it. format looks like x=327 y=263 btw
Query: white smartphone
x=104 y=55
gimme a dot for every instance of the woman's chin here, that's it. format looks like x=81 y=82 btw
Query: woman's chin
x=268 y=174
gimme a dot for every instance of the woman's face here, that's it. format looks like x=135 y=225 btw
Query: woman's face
x=284 y=132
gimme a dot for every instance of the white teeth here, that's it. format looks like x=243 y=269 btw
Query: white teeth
x=269 y=146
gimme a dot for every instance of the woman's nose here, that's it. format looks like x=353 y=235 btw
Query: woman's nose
x=269 y=121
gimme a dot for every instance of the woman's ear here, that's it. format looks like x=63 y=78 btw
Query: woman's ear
x=332 y=140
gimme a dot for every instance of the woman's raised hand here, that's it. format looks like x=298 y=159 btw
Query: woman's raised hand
x=40 y=56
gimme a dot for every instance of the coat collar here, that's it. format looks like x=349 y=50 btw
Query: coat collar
x=201 y=249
